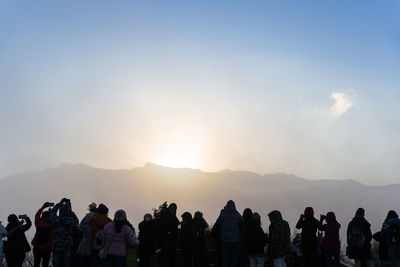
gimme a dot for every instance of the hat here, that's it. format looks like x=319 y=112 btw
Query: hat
x=148 y=217
x=102 y=209
x=198 y=214
x=120 y=216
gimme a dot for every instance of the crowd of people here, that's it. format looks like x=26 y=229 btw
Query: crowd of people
x=239 y=239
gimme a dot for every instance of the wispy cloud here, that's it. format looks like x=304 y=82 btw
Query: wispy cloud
x=343 y=102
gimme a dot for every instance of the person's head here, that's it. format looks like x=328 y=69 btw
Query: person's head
x=309 y=212
x=186 y=217
x=247 y=213
x=198 y=215
x=45 y=215
x=65 y=209
x=92 y=207
x=360 y=213
x=119 y=220
x=256 y=218
x=230 y=207
x=391 y=215
x=172 y=208
x=102 y=209
x=12 y=219
x=148 y=217
x=330 y=217
x=275 y=216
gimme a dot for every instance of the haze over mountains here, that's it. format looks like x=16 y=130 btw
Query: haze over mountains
x=140 y=189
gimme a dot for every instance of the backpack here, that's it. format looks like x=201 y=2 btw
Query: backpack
x=98 y=243
x=356 y=238
x=394 y=235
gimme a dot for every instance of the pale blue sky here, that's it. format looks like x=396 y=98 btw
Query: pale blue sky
x=204 y=84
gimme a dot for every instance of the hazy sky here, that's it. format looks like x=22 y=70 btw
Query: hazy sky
x=303 y=87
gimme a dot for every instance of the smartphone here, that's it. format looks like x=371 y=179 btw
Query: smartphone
x=51 y=204
x=22 y=216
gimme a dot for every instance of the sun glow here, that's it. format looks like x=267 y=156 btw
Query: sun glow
x=182 y=152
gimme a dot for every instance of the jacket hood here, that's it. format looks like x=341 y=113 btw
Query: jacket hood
x=230 y=207
x=275 y=216
x=65 y=210
x=330 y=217
x=102 y=209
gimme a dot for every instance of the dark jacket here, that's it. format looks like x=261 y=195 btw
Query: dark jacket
x=383 y=248
x=169 y=228
x=230 y=221
x=309 y=241
x=187 y=236
x=279 y=236
x=386 y=227
x=146 y=237
x=63 y=227
x=364 y=252
x=200 y=227
x=43 y=235
x=16 y=240
x=331 y=229
x=256 y=239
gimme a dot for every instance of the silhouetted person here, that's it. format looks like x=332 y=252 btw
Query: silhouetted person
x=200 y=244
x=230 y=221
x=384 y=260
x=17 y=245
x=279 y=239
x=359 y=240
x=147 y=239
x=331 y=242
x=391 y=236
x=97 y=223
x=169 y=235
x=187 y=238
x=255 y=241
x=3 y=233
x=63 y=224
x=309 y=241
x=216 y=234
x=42 y=242
x=244 y=256
x=117 y=235
x=84 y=249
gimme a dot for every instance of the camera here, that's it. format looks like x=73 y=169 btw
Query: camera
x=323 y=217
x=50 y=204
x=22 y=216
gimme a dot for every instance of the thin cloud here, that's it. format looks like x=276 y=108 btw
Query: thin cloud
x=343 y=102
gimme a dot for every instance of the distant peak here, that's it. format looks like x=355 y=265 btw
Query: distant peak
x=75 y=165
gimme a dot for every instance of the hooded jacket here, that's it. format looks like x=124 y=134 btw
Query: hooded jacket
x=230 y=221
x=119 y=241
x=279 y=236
x=3 y=233
x=84 y=248
x=364 y=252
x=331 y=229
x=385 y=232
x=63 y=227
x=44 y=231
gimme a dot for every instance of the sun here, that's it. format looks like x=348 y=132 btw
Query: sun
x=183 y=152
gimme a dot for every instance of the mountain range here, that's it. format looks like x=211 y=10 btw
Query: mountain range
x=139 y=190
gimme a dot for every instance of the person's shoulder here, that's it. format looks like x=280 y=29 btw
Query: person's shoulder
x=108 y=226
